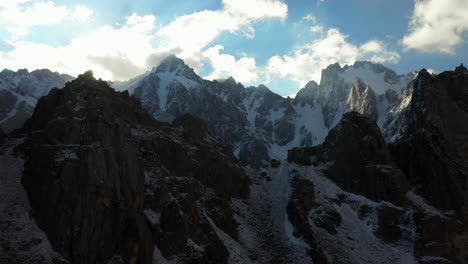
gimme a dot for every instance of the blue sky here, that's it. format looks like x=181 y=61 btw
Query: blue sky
x=283 y=44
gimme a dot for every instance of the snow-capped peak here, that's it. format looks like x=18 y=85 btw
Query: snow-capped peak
x=170 y=64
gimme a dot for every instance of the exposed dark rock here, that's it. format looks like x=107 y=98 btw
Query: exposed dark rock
x=389 y=223
x=194 y=128
x=82 y=172
x=2 y=136
x=302 y=155
x=284 y=130
x=255 y=146
x=107 y=181
x=361 y=162
x=391 y=96
x=441 y=236
x=327 y=218
x=433 y=154
x=275 y=163
x=299 y=206
x=364 y=211
x=7 y=103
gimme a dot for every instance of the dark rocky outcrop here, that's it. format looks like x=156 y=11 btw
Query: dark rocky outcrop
x=361 y=161
x=433 y=155
x=389 y=229
x=107 y=182
x=429 y=156
x=82 y=173
x=2 y=136
x=302 y=201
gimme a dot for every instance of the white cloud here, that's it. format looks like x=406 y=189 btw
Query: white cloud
x=122 y=51
x=310 y=17
x=18 y=16
x=224 y=65
x=82 y=13
x=256 y=9
x=376 y=51
x=437 y=26
x=193 y=32
x=307 y=61
x=112 y=53
x=316 y=29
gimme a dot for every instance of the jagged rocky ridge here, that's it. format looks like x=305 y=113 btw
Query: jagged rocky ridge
x=19 y=92
x=256 y=120
x=109 y=184
x=415 y=188
x=252 y=119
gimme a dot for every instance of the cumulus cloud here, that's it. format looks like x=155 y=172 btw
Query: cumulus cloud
x=193 y=32
x=122 y=51
x=103 y=50
x=224 y=65
x=437 y=26
x=306 y=62
x=82 y=13
x=18 y=16
x=310 y=17
x=316 y=29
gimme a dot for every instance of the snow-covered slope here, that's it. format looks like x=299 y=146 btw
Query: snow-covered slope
x=345 y=225
x=19 y=92
x=254 y=119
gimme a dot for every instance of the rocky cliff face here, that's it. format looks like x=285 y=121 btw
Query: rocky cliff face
x=108 y=183
x=361 y=161
x=19 y=92
x=255 y=120
x=362 y=99
x=423 y=174
x=433 y=155
x=2 y=136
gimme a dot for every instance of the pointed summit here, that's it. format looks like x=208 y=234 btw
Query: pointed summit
x=170 y=64
x=308 y=94
x=177 y=67
x=230 y=81
x=461 y=69
x=362 y=99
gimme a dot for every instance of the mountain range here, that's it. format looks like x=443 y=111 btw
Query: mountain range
x=366 y=167
x=256 y=120
x=252 y=119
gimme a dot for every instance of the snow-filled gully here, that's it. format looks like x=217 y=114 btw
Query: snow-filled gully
x=266 y=214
